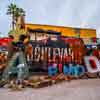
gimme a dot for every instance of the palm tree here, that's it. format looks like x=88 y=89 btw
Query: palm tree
x=11 y=11
x=19 y=12
x=15 y=12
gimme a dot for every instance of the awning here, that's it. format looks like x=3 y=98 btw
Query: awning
x=39 y=30
x=53 y=32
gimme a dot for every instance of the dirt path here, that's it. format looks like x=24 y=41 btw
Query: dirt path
x=74 y=90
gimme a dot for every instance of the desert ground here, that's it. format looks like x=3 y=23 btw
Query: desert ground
x=86 y=89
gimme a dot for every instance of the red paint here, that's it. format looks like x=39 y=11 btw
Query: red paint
x=93 y=64
x=60 y=67
x=5 y=41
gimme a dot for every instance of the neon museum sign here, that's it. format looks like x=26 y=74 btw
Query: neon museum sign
x=60 y=60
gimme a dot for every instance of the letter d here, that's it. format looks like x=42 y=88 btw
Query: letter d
x=92 y=64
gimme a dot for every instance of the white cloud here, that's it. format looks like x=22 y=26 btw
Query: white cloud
x=76 y=13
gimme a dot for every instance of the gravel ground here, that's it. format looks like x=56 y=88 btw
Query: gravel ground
x=74 y=90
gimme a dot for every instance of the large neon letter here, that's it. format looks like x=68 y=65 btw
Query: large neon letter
x=92 y=64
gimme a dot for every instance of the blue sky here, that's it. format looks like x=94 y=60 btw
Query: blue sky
x=75 y=13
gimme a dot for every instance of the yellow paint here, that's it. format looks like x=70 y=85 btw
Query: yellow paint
x=65 y=31
x=87 y=33
x=16 y=34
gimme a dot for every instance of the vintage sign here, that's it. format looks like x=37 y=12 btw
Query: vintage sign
x=63 y=55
